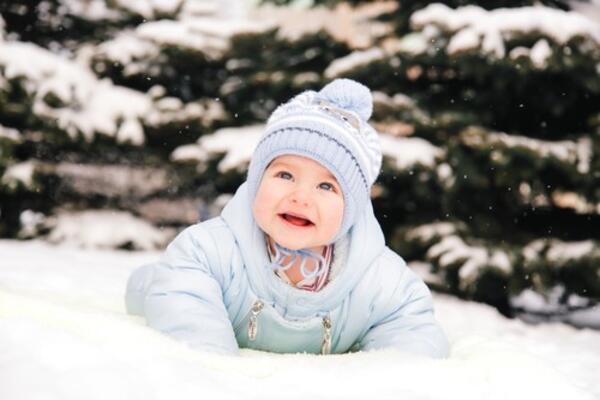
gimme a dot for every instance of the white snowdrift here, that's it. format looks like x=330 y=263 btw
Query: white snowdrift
x=64 y=335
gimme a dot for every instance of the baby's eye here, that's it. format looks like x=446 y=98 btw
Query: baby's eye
x=326 y=186
x=284 y=175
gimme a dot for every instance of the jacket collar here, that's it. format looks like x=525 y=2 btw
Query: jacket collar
x=366 y=242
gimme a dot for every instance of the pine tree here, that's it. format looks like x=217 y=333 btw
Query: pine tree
x=489 y=112
x=512 y=205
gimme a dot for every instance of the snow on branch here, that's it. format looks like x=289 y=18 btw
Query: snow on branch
x=70 y=94
x=96 y=229
x=560 y=254
x=10 y=134
x=236 y=145
x=91 y=10
x=407 y=152
x=354 y=60
x=20 y=174
x=471 y=261
x=209 y=37
x=427 y=234
x=472 y=28
x=576 y=153
x=128 y=49
x=150 y=9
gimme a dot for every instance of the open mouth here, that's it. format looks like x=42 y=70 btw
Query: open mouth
x=296 y=220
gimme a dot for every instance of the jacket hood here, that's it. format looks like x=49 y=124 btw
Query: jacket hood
x=366 y=244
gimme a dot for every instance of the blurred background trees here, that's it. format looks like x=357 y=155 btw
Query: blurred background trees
x=143 y=114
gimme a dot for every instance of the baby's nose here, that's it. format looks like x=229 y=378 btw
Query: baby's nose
x=300 y=196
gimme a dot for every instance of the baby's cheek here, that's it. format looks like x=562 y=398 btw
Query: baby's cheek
x=258 y=211
x=334 y=217
x=264 y=209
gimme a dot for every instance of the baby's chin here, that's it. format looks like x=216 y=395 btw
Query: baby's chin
x=291 y=244
x=295 y=244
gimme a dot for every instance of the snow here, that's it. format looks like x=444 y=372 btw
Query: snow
x=574 y=201
x=552 y=303
x=424 y=270
x=201 y=27
x=551 y=306
x=172 y=111
x=212 y=37
x=91 y=10
x=587 y=8
x=446 y=175
x=474 y=28
x=126 y=48
x=200 y=8
x=64 y=335
x=584 y=154
x=413 y=43
x=540 y=52
x=150 y=9
x=536 y=302
x=106 y=229
x=359 y=27
x=175 y=33
x=237 y=145
x=11 y=134
x=452 y=250
x=468 y=39
x=30 y=222
x=90 y=105
x=577 y=153
x=19 y=174
x=398 y=102
x=407 y=152
x=356 y=59
x=559 y=253
x=427 y=232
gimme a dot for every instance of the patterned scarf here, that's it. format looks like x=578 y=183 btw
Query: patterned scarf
x=313 y=280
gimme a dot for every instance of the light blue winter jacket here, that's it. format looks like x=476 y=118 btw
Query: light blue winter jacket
x=214 y=290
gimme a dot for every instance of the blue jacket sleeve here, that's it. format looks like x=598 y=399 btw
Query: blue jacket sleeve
x=407 y=322
x=184 y=298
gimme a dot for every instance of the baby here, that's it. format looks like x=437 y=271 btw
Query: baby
x=296 y=262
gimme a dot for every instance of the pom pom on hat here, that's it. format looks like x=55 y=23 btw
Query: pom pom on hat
x=349 y=95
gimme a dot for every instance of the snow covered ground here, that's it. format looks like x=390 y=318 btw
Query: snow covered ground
x=64 y=335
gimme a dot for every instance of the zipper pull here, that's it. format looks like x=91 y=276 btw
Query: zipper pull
x=326 y=343
x=253 y=324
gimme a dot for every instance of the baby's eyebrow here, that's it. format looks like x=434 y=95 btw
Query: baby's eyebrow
x=277 y=163
x=329 y=175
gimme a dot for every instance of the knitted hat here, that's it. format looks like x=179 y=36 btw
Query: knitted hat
x=329 y=127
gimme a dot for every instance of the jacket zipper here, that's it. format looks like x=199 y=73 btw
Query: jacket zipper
x=326 y=343
x=253 y=327
x=253 y=324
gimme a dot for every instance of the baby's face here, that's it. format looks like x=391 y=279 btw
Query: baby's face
x=299 y=203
